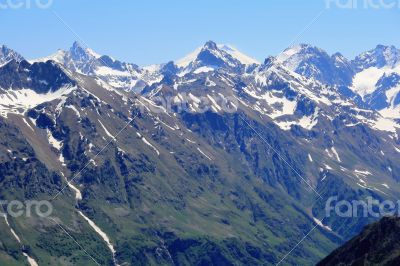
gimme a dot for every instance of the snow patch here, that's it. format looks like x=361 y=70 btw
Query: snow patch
x=203 y=69
x=319 y=222
x=20 y=100
x=364 y=82
x=184 y=62
x=57 y=144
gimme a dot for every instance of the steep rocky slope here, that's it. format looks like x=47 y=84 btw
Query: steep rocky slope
x=377 y=244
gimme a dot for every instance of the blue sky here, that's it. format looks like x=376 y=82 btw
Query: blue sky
x=154 y=31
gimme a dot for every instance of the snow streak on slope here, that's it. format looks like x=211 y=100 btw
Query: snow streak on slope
x=319 y=223
x=148 y=143
x=30 y=260
x=205 y=155
x=105 y=130
x=78 y=194
x=100 y=232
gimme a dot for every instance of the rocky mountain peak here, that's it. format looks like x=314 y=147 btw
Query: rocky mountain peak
x=379 y=57
x=41 y=77
x=7 y=54
x=214 y=56
x=80 y=53
x=211 y=57
x=210 y=45
x=313 y=62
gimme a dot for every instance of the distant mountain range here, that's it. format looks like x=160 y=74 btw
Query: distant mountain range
x=371 y=79
x=215 y=159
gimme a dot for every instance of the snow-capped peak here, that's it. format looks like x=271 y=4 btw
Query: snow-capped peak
x=185 y=61
x=78 y=52
x=313 y=62
x=235 y=53
x=210 y=45
x=118 y=74
x=288 y=53
x=381 y=56
x=209 y=58
x=292 y=56
x=339 y=59
x=57 y=57
x=218 y=50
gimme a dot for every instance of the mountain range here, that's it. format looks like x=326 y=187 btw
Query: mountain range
x=215 y=159
x=371 y=79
